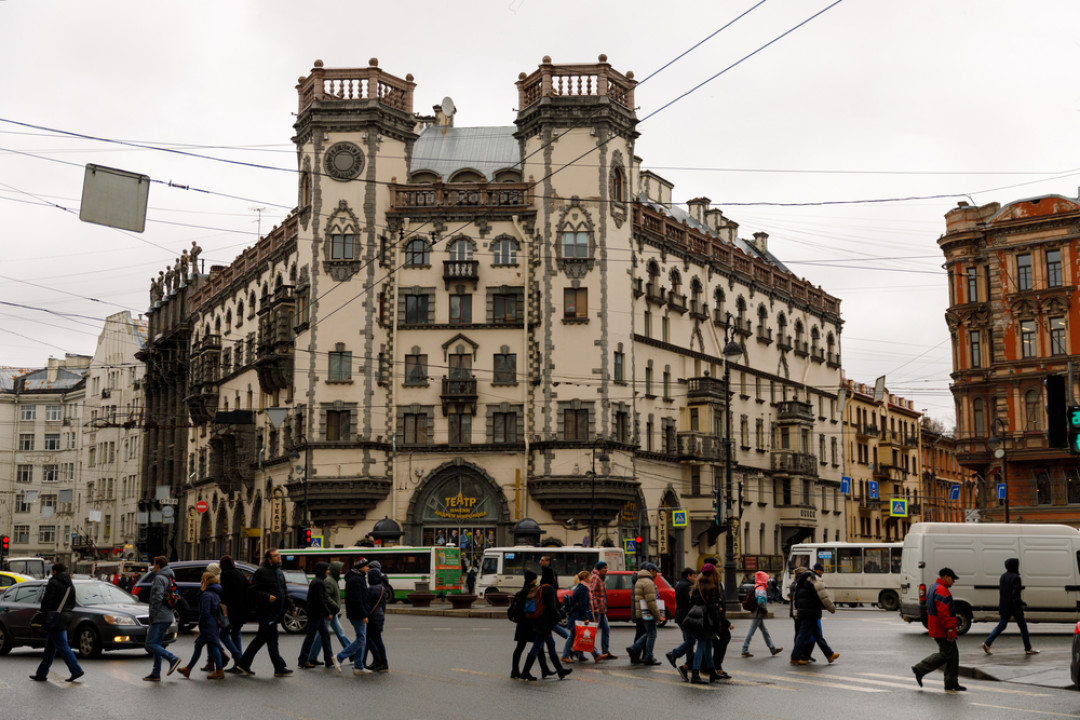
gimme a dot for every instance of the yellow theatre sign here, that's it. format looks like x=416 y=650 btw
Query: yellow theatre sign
x=460 y=507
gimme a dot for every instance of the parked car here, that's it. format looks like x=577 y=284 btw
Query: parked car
x=188 y=575
x=105 y=618
x=620 y=591
x=7 y=579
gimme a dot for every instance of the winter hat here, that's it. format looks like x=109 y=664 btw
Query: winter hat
x=530 y=577
x=818 y=567
x=601 y=565
x=708 y=569
x=651 y=567
x=375 y=565
x=214 y=568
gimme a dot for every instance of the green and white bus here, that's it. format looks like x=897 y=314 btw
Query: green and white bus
x=437 y=567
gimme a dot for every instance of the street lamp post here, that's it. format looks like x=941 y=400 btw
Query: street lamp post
x=997 y=444
x=732 y=350
x=592 y=512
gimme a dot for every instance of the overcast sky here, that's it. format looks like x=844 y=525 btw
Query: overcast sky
x=963 y=99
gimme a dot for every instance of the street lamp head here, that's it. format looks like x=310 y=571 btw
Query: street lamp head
x=732 y=350
x=993 y=442
x=604 y=457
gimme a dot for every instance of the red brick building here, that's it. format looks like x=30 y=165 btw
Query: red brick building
x=1014 y=320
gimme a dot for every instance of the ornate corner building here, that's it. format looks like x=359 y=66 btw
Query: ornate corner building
x=1013 y=322
x=462 y=327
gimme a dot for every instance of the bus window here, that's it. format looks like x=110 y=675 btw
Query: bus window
x=490 y=566
x=849 y=560
x=897 y=553
x=827 y=558
x=800 y=560
x=876 y=560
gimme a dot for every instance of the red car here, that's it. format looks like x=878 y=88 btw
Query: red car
x=620 y=590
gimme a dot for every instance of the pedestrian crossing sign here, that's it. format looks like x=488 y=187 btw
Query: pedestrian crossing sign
x=629 y=547
x=898 y=508
x=678 y=518
x=317 y=541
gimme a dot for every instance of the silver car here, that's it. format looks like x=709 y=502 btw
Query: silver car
x=105 y=618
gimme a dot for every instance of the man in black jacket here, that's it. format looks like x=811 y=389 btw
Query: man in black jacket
x=357 y=611
x=682 y=606
x=58 y=602
x=1010 y=604
x=270 y=596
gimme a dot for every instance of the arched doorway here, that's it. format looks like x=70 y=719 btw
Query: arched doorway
x=205 y=536
x=459 y=504
x=236 y=542
x=222 y=535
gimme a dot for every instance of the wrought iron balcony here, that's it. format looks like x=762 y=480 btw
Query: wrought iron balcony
x=705 y=389
x=792 y=463
x=794 y=411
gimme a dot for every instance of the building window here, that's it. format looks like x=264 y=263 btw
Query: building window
x=1053 y=268
x=28 y=412
x=460 y=428
x=54 y=413
x=50 y=473
x=340 y=364
x=759 y=432
x=972 y=284
x=575 y=244
x=1028 y=346
x=342 y=246
x=415 y=429
x=47 y=534
x=461 y=251
x=832 y=452
x=505 y=251
x=575 y=424
x=1023 y=272
x=1031 y=409
x=622 y=426
x=21 y=506
x=503 y=428
x=667 y=384
x=26 y=441
x=416 y=309
x=665 y=329
x=976 y=351
x=505 y=368
x=460 y=309
x=1057 y=336
x=1043 y=492
x=504 y=309
x=460 y=365
x=650 y=430
x=24 y=474
x=416 y=369
x=337 y=425
x=620 y=366
x=52 y=441
x=978 y=417
x=417 y=253
x=669 y=436
x=648 y=381
x=617 y=185
x=744 y=431
x=646 y=324
x=576 y=303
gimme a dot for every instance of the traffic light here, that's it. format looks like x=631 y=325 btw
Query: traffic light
x=307 y=537
x=5 y=545
x=1057 y=422
x=718 y=508
x=1074 y=429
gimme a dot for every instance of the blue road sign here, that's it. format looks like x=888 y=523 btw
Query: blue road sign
x=629 y=547
x=678 y=518
x=898 y=508
x=845 y=485
x=954 y=492
x=1001 y=491
x=873 y=489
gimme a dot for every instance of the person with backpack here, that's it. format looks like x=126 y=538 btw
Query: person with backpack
x=523 y=632
x=270 y=597
x=579 y=610
x=209 y=628
x=357 y=612
x=722 y=638
x=682 y=607
x=163 y=599
x=758 y=611
x=542 y=612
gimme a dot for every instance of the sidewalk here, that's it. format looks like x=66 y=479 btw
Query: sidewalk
x=1050 y=668
x=481 y=609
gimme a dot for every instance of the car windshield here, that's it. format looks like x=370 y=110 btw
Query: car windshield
x=100 y=593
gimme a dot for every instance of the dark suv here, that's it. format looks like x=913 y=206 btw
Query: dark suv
x=188 y=575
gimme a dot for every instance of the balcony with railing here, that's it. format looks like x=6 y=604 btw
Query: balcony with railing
x=705 y=389
x=794 y=411
x=459 y=390
x=797 y=516
x=677 y=302
x=461 y=271
x=866 y=431
x=466 y=197
x=576 y=80
x=655 y=293
x=788 y=462
x=764 y=334
x=700 y=447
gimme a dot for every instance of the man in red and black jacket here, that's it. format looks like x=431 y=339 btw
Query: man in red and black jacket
x=941 y=622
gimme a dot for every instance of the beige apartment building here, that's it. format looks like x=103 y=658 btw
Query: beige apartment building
x=460 y=328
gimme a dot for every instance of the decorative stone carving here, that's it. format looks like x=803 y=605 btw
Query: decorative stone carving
x=343 y=161
x=196 y=251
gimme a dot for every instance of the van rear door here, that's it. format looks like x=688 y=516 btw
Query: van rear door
x=1048 y=569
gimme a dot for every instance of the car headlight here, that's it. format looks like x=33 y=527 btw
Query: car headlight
x=120 y=620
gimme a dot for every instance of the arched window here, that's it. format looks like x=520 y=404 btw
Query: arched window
x=676 y=282
x=1031 y=409
x=799 y=333
x=740 y=312
x=762 y=315
x=718 y=305
x=417 y=253
x=695 y=295
x=228 y=320
x=461 y=250
x=618 y=182
x=240 y=313
x=505 y=251
x=815 y=339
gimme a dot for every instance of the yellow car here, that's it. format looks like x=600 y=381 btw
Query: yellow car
x=7 y=579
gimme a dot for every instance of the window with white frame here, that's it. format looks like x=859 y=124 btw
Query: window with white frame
x=52 y=441
x=50 y=473
x=24 y=474
x=47 y=534
x=505 y=251
x=26 y=441
x=28 y=412
x=20 y=534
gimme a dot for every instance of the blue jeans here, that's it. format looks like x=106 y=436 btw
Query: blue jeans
x=560 y=631
x=335 y=627
x=358 y=647
x=230 y=644
x=539 y=641
x=212 y=651
x=234 y=634
x=58 y=644
x=154 y=636
x=703 y=652
x=686 y=646
x=755 y=623
x=643 y=646
x=1003 y=622
x=603 y=630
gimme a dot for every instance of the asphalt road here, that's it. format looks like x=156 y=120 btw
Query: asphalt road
x=459 y=667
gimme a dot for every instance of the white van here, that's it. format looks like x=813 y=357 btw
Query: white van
x=1049 y=567
x=502 y=567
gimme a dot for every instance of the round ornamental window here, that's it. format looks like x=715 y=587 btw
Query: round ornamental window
x=343 y=161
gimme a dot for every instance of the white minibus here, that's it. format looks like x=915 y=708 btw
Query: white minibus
x=855 y=573
x=502 y=567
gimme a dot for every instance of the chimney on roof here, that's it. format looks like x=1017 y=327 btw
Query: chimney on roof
x=726 y=229
x=761 y=241
x=698 y=207
x=54 y=365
